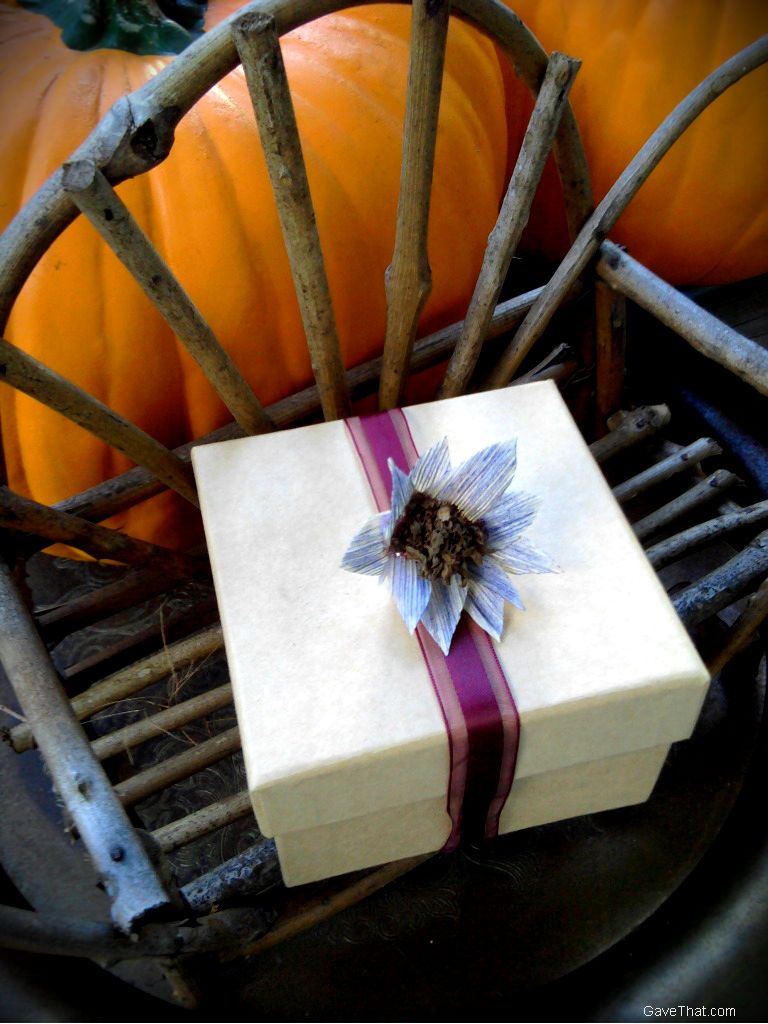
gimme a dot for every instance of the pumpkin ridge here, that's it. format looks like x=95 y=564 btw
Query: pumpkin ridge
x=29 y=144
x=390 y=115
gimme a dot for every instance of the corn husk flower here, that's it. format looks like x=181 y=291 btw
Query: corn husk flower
x=451 y=540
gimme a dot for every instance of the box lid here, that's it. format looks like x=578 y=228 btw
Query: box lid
x=335 y=706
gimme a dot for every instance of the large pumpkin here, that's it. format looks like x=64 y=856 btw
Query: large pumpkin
x=702 y=216
x=210 y=212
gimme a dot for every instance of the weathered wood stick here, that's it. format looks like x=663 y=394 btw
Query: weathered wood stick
x=702 y=493
x=18 y=513
x=554 y=356
x=616 y=201
x=754 y=614
x=515 y=211
x=408 y=280
x=686 y=458
x=164 y=721
x=610 y=352
x=629 y=428
x=200 y=823
x=26 y=374
x=245 y=875
x=95 y=197
x=724 y=585
x=258 y=45
x=708 y=335
x=558 y=372
x=132 y=679
x=669 y=550
x=116 y=850
x=178 y=767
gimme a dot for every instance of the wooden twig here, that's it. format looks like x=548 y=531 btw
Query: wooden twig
x=610 y=352
x=17 y=513
x=117 y=852
x=544 y=369
x=515 y=210
x=200 y=823
x=257 y=43
x=708 y=335
x=555 y=356
x=724 y=585
x=408 y=279
x=616 y=201
x=178 y=767
x=249 y=873
x=629 y=428
x=702 y=493
x=131 y=680
x=312 y=910
x=685 y=459
x=26 y=374
x=95 y=197
x=754 y=614
x=560 y=373
x=161 y=722
x=680 y=544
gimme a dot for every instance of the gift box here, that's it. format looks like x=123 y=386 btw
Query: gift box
x=351 y=748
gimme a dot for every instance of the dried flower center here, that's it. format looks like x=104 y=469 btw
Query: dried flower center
x=438 y=537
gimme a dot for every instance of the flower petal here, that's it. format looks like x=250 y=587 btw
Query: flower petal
x=478 y=483
x=402 y=489
x=410 y=590
x=509 y=518
x=486 y=608
x=431 y=468
x=490 y=576
x=443 y=612
x=368 y=550
x=520 y=555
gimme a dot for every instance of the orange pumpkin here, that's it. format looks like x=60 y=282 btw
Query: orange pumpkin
x=702 y=216
x=209 y=210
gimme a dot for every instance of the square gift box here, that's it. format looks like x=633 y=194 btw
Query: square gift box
x=345 y=743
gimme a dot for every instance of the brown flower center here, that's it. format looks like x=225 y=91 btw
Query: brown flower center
x=438 y=537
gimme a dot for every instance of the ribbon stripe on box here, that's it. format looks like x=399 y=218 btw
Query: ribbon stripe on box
x=477 y=705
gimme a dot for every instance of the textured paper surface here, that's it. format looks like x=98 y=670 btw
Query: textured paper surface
x=337 y=715
x=327 y=850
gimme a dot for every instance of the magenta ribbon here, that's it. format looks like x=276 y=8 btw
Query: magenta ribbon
x=478 y=708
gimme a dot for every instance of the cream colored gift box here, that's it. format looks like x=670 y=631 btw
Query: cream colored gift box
x=345 y=747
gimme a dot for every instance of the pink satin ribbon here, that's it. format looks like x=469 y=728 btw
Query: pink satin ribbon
x=478 y=708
